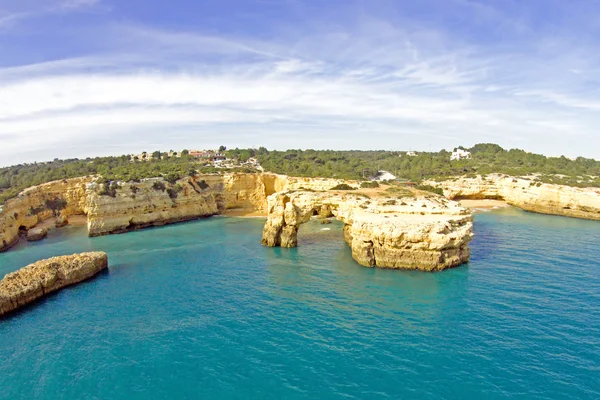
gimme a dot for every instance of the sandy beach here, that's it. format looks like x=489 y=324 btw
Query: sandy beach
x=245 y=213
x=483 y=204
x=74 y=220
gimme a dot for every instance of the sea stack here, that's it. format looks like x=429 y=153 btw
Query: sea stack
x=46 y=276
x=425 y=233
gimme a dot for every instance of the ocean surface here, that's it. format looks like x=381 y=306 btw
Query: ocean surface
x=201 y=311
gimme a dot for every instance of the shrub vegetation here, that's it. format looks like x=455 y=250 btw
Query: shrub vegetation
x=486 y=159
x=359 y=165
x=343 y=186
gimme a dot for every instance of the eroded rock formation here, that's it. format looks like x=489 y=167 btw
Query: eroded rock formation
x=527 y=194
x=151 y=202
x=43 y=277
x=137 y=205
x=154 y=202
x=40 y=203
x=425 y=233
x=144 y=204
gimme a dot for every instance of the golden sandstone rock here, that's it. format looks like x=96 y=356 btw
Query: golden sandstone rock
x=143 y=204
x=29 y=208
x=201 y=196
x=43 y=277
x=424 y=233
x=527 y=194
x=139 y=205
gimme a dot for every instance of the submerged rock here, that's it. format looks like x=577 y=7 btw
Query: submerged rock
x=46 y=276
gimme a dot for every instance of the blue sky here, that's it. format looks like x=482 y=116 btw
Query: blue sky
x=94 y=77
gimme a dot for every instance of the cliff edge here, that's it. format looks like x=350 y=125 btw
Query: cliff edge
x=526 y=194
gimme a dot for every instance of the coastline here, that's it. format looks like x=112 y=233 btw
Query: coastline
x=244 y=196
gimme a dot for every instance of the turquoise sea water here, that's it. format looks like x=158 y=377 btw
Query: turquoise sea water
x=201 y=310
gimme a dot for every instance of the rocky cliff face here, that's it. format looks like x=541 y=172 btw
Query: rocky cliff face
x=43 y=277
x=155 y=202
x=425 y=233
x=527 y=194
x=39 y=203
x=149 y=203
x=134 y=206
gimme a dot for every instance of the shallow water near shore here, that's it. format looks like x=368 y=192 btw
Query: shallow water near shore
x=201 y=310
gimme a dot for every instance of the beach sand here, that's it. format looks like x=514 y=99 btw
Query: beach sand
x=74 y=220
x=245 y=213
x=483 y=204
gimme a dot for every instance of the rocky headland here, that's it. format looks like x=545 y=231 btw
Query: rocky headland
x=127 y=206
x=36 y=280
x=526 y=193
x=426 y=233
x=155 y=202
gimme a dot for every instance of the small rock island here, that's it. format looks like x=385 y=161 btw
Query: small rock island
x=425 y=233
x=36 y=280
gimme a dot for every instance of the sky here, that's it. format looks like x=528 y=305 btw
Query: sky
x=83 y=78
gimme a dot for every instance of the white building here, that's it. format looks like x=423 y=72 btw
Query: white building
x=384 y=176
x=460 y=154
x=411 y=154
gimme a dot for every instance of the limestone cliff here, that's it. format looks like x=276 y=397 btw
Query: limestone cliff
x=425 y=233
x=156 y=202
x=151 y=202
x=43 y=277
x=526 y=194
x=39 y=203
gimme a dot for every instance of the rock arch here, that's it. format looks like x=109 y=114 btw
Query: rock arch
x=281 y=229
x=425 y=234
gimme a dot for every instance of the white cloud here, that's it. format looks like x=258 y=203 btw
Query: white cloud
x=8 y=20
x=70 y=4
x=352 y=87
x=10 y=17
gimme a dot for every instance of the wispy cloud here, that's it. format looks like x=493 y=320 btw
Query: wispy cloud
x=10 y=17
x=71 y=4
